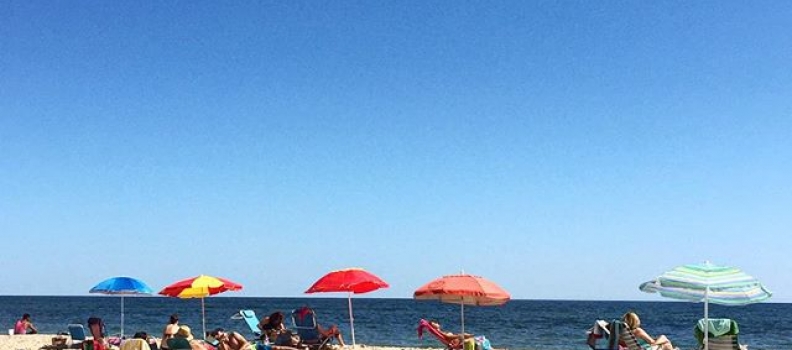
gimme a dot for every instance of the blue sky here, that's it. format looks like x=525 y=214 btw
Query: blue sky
x=566 y=150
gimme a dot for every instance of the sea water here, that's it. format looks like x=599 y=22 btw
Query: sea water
x=519 y=324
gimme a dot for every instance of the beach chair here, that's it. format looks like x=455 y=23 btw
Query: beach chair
x=722 y=334
x=78 y=335
x=304 y=322
x=423 y=325
x=604 y=335
x=250 y=319
x=627 y=337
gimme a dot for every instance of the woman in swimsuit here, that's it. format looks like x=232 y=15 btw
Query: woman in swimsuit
x=451 y=338
x=646 y=341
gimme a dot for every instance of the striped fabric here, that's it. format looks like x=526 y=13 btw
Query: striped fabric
x=724 y=342
x=628 y=338
x=723 y=285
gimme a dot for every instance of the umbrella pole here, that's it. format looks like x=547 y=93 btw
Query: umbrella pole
x=706 y=318
x=203 y=318
x=462 y=316
x=351 y=319
x=122 y=317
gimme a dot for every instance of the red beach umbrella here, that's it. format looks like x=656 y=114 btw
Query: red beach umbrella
x=352 y=280
x=463 y=289
x=200 y=287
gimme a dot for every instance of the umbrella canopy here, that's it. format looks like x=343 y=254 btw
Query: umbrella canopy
x=463 y=289
x=200 y=287
x=708 y=283
x=121 y=286
x=353 y=280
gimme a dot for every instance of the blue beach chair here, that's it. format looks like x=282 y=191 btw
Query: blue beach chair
x=250 y=319
x=78 y=335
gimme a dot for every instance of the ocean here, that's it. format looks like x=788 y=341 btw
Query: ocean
x=520 y=324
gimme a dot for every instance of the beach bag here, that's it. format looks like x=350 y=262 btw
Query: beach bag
x=469 y=344
x=482 y=343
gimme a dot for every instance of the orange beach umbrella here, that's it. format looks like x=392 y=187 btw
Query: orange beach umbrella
x=352 y=280
x=200 y=287
x=463 y=289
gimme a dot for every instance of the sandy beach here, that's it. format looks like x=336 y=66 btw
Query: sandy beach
x=39 y=341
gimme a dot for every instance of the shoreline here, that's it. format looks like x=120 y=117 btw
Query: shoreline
x=44 y=341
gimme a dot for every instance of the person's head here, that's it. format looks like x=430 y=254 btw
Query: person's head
x=96 y=327
x=93 y=320
x=184 y=332
x=140 y=335
x=174 y=319
x=26 y=317
x=217 y=333
x=275 y=318
x=632 y=320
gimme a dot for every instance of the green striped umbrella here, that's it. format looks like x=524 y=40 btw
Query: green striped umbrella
x=709 y=283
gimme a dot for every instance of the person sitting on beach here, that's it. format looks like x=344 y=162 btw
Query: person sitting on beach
x=272 y=326
x=184 y=340
x=170 y=330
x=140 y=341
x=97 y=328
x=150 y=340
x=229 y=340
x=451 y=338
x=25 y=326
x=274 y=331
x=332 y=333
x=632 y=321
x=323 y=334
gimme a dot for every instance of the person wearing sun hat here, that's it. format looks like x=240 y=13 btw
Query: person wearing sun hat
x=184 y=340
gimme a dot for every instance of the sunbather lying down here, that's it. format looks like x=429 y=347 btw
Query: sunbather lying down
x=452 y=338
x=455 y=340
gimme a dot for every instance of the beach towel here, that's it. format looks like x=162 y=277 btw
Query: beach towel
x=719 y=326
x=135 y=344
x=482 y=343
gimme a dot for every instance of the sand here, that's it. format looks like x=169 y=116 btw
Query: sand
x=39 y=341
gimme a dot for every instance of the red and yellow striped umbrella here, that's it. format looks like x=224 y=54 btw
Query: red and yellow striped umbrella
x=200 y=287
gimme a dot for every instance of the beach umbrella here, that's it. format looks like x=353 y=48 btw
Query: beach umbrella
x=121 y=286
x=200 y=287
x=708 y=283
x=352 y=280
x=463 y=289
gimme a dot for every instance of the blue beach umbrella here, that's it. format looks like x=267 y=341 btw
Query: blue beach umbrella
x=121 y=286
x=708 y=283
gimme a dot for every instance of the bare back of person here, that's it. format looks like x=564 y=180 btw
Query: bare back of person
x=229 y=340
x=236 y=341
x=168 y=333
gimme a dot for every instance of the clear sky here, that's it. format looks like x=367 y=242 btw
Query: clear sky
x=563 y=149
